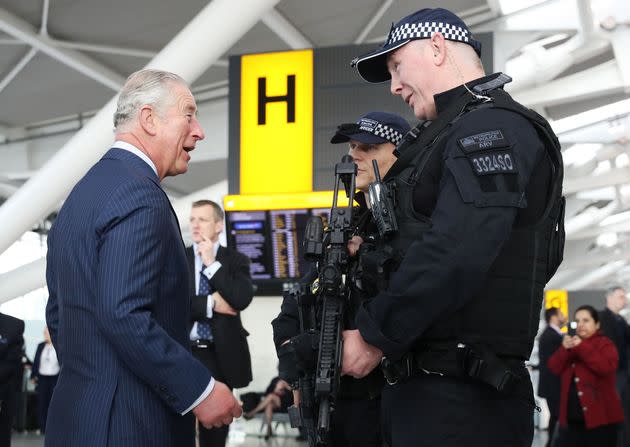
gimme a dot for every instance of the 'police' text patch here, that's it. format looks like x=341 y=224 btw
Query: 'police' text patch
x=488 y=163
x=491 y=139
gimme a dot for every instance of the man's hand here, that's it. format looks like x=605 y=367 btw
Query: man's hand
x=354 y=244
x=221 y=306
x=359 y=357
x=219 y=408
x=205 y=249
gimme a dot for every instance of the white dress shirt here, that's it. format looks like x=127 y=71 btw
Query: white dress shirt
x=48 y=363
x=209 y=272
x=119 y=144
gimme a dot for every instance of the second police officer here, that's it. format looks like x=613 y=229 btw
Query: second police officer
x=356 y=421
x=479 y=205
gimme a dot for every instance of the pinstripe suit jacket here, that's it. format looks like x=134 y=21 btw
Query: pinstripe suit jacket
x=117 y=317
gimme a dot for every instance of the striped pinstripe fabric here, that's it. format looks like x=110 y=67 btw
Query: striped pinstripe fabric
x=116 y=276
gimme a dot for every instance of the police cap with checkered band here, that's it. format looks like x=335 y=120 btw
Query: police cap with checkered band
x=373 y=128
x=420 y=25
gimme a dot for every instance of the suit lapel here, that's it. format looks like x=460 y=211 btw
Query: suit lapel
x=221 y=254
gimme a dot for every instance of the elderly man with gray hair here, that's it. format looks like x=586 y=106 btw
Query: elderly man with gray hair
x=116 y=270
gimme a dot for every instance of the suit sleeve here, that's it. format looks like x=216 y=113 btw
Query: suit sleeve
x=52 y=306
x=132 y=249
x=36 y=359
x=286 y=325
x=234 y=282
x=11 y=364
x=198 y=307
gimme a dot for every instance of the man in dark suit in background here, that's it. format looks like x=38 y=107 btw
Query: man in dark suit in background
x=116 y=267
x=11 y=343
x=220 y=287
x=549 y=384
x=615 y=327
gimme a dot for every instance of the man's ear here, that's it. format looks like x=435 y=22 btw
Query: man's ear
x=147 y=119
x=438 y=47
x=220 y=226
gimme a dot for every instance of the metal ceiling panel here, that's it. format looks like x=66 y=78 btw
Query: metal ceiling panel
x=144 y=24
x=47 y=89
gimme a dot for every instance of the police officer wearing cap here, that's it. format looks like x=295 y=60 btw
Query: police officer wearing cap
x=356 y=418
x=479 y=205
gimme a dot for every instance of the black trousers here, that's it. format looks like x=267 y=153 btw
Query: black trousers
x=623 y=388
x=214 y=437
x=554 y=411
x=356 y=423
x=576 y=435
x=7 y=413
x=432 y=410
x=45 y=388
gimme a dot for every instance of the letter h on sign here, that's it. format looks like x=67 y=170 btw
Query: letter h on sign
x=263 y=99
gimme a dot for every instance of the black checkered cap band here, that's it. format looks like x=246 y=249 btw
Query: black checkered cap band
x=425 y=30
x=388 y=133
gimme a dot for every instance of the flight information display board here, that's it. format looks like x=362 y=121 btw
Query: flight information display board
x=272 y=240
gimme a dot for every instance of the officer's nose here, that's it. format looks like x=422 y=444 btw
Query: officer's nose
x=394 y=86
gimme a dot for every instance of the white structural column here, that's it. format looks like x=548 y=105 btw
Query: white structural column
x=23 y=31
x=593 y=276
x=7 y=190
x=217 y=23
x=368 y=27
x=285 y=30
x=32 y=276
x=23 y=280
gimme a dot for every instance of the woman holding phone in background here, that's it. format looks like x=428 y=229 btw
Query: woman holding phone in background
x=590 y=408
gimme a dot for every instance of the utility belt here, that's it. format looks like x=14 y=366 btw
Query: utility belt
x=459 y=361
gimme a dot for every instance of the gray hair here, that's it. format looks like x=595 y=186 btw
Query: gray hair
x=613 y=289
x=144 y=87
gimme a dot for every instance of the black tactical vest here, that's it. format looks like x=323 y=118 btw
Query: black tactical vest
x=527 y=261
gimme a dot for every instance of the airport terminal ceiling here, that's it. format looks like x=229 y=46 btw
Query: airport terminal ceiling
x=62 y=60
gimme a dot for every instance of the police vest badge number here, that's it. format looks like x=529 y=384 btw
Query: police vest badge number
x=481 y=151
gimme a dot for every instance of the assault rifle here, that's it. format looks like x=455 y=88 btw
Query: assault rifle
x=322 y=309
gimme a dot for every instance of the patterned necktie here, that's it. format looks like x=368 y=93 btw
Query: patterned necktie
x=203 y=326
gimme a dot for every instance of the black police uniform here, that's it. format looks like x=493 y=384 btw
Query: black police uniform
x=480 y=214
x=356 y=420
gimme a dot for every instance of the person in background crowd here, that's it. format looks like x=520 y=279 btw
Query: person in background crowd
x=615 y=327
x=220 y=287
x=11 y=344
x=277 y=399
x=549 y=383
x=44 y=373
x=590 y=408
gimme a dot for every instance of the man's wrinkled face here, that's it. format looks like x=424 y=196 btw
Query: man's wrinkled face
x=178 y=130
x=363 y=154
x=411 y=74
